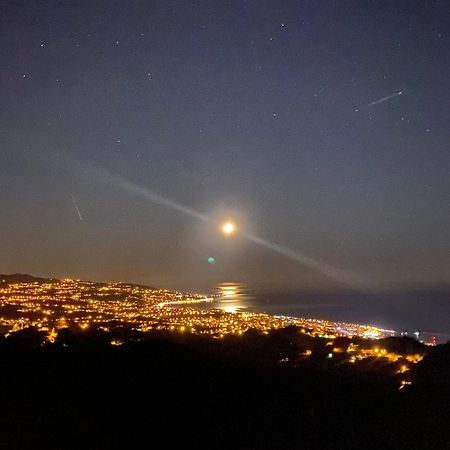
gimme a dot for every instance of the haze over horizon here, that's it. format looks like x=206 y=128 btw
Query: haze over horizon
x=321 y=128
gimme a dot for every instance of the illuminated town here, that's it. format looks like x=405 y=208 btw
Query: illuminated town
x=52 y=304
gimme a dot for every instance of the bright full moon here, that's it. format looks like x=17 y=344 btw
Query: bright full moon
x=228 y=228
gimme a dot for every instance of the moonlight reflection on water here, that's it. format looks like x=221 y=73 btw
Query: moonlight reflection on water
x=232 y=297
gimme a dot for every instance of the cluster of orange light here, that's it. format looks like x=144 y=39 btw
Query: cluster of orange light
x=53 y=305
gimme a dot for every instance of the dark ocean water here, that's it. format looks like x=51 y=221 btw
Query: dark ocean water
x=426 y=311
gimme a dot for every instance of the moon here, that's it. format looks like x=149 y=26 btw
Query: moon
x=228 y=228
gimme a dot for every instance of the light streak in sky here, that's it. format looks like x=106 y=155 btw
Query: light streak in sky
x=76 y=207
x=109 y=178
x=147 y=194
x=380 y=100
x=331 y=272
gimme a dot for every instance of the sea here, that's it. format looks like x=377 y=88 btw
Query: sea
x=421 y=314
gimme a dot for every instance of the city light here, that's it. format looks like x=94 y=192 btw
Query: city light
x=52 y=305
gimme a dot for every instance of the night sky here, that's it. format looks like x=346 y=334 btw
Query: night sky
x=322 y=127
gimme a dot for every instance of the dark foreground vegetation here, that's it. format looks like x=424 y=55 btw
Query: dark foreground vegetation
x=178 y=390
